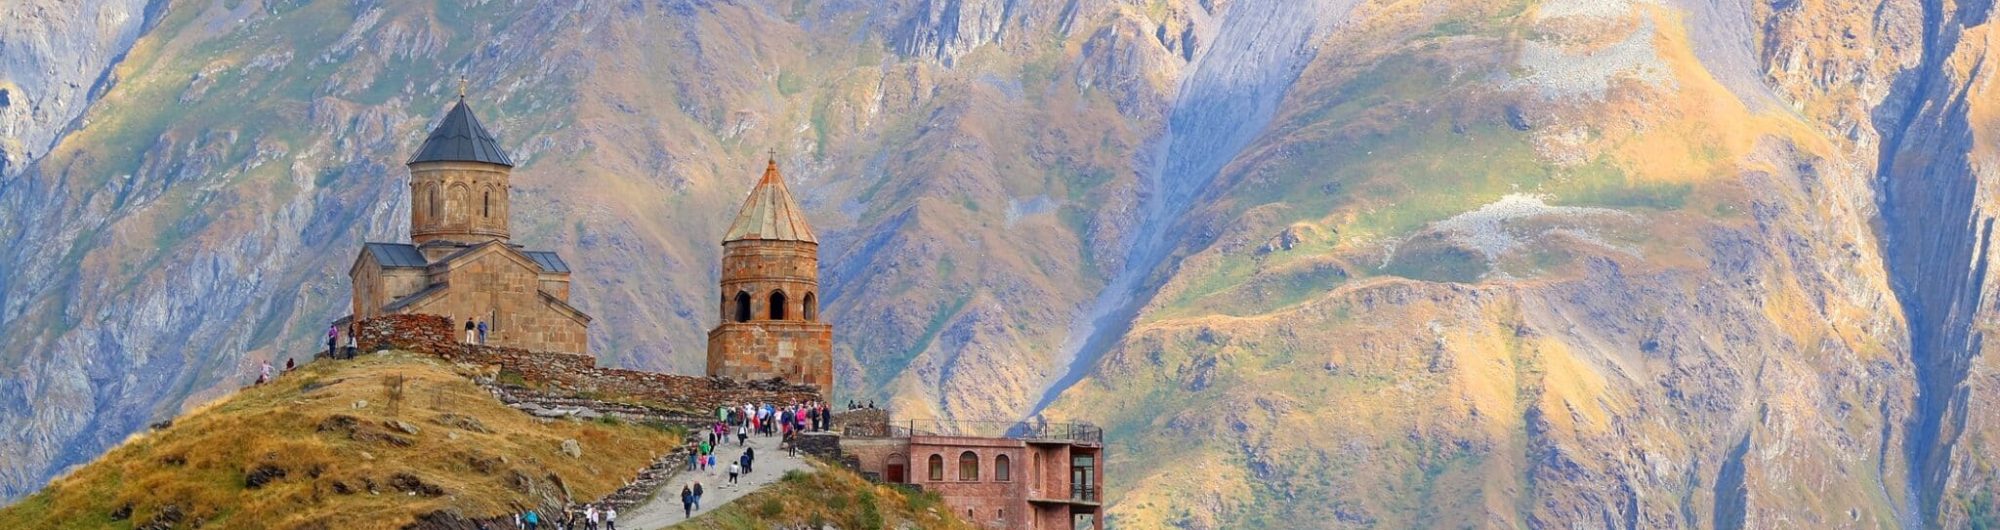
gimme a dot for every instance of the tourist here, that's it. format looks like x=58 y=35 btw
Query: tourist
x=711 y=464
x=749 y=460
x=734 y=469
x=533 y=519
x=264 y=375
x=288 y=365
x=351 y=346
x=482 y=332
x=470 y=330
x=590 y=516
x=332 y=339
x=687 y=502
x=610 y=518
x=697 y=495
x=741 y=436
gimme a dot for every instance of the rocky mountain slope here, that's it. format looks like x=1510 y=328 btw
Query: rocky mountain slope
x=1610 y=263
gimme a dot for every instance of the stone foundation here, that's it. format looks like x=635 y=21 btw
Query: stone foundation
x=577 y=374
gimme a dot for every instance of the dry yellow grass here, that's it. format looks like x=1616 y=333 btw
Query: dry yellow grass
x=201 y=465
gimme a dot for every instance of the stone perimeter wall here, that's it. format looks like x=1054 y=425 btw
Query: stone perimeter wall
x=575 y=373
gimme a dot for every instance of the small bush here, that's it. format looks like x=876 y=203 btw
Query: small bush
x=770 y=508
x=870 y=517
x=796 y=476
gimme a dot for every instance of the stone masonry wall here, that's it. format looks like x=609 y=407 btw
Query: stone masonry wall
x=576 y=373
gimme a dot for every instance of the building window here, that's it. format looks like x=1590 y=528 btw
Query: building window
x=777 y=305
x=437 y=206
x=486 y=204
x=968 y=467
x=937 y=468
x=811 y=307
x=742 y=306
x=1001 y=473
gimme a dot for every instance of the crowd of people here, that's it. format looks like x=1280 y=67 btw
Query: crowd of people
x=588 y=517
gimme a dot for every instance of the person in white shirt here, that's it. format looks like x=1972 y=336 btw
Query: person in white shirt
x=610 y=518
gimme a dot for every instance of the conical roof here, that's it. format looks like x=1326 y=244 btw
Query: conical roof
x=770 y=213
x=459 y=138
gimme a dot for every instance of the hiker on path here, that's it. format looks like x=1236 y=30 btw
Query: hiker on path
x=534 y=520
x=265 y=373
x=332 y=339
x=590 y=517
x=697 y=495
x=742 y=436
x=351 y=346
x=749 y=460
x=482 y=339
x=734 y=470
x=687 y=502
x=470 y=330
x=610 y=518
x=289 y=366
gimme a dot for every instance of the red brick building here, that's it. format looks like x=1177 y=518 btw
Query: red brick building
x=1042 y=478
x=770 y=325
x=460 y=262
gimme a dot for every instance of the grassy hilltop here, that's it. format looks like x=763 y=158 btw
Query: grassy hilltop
x=305 y=452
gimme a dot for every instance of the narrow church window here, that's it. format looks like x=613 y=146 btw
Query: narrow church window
x=777 y=305
x=486 y=204
x=437 y=207
x=811 y=308
x=742 y=306
x=937 y=467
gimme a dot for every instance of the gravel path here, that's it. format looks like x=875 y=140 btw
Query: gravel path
x=665 y=507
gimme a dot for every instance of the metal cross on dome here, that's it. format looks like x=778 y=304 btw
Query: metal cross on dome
x=461 y=86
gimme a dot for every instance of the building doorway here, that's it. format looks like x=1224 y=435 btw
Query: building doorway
x=1083 y=478
x=895 y=474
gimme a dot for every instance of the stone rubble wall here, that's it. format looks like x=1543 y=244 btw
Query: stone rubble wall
x=555 y=373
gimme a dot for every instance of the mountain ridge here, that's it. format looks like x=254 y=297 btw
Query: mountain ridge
x=1583 y=248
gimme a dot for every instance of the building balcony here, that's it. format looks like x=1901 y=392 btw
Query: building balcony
x=1081 y=496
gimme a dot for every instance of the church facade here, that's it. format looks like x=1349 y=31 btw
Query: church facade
x=770 y=324
x=460 y=261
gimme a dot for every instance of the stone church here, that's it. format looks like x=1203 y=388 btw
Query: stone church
x=460 y=262
x=770 y=325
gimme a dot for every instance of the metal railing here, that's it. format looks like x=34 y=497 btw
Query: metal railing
x=1084 y=493
x=1068 y=432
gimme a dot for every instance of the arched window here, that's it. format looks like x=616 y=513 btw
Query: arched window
x=742 y=306
x=486 y=204
x=1001 y=473
x=937 y=467
x=968 y=466
x=811 y=308
x=437 y=206
x=777 y=305
x=461 y=201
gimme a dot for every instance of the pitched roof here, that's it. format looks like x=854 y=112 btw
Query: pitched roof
x=395 y=255
x=770 y=213
x=459 y=138
x=548 y=260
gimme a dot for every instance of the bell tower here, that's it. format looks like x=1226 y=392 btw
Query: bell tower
x=458 y=184
x=769 y=305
